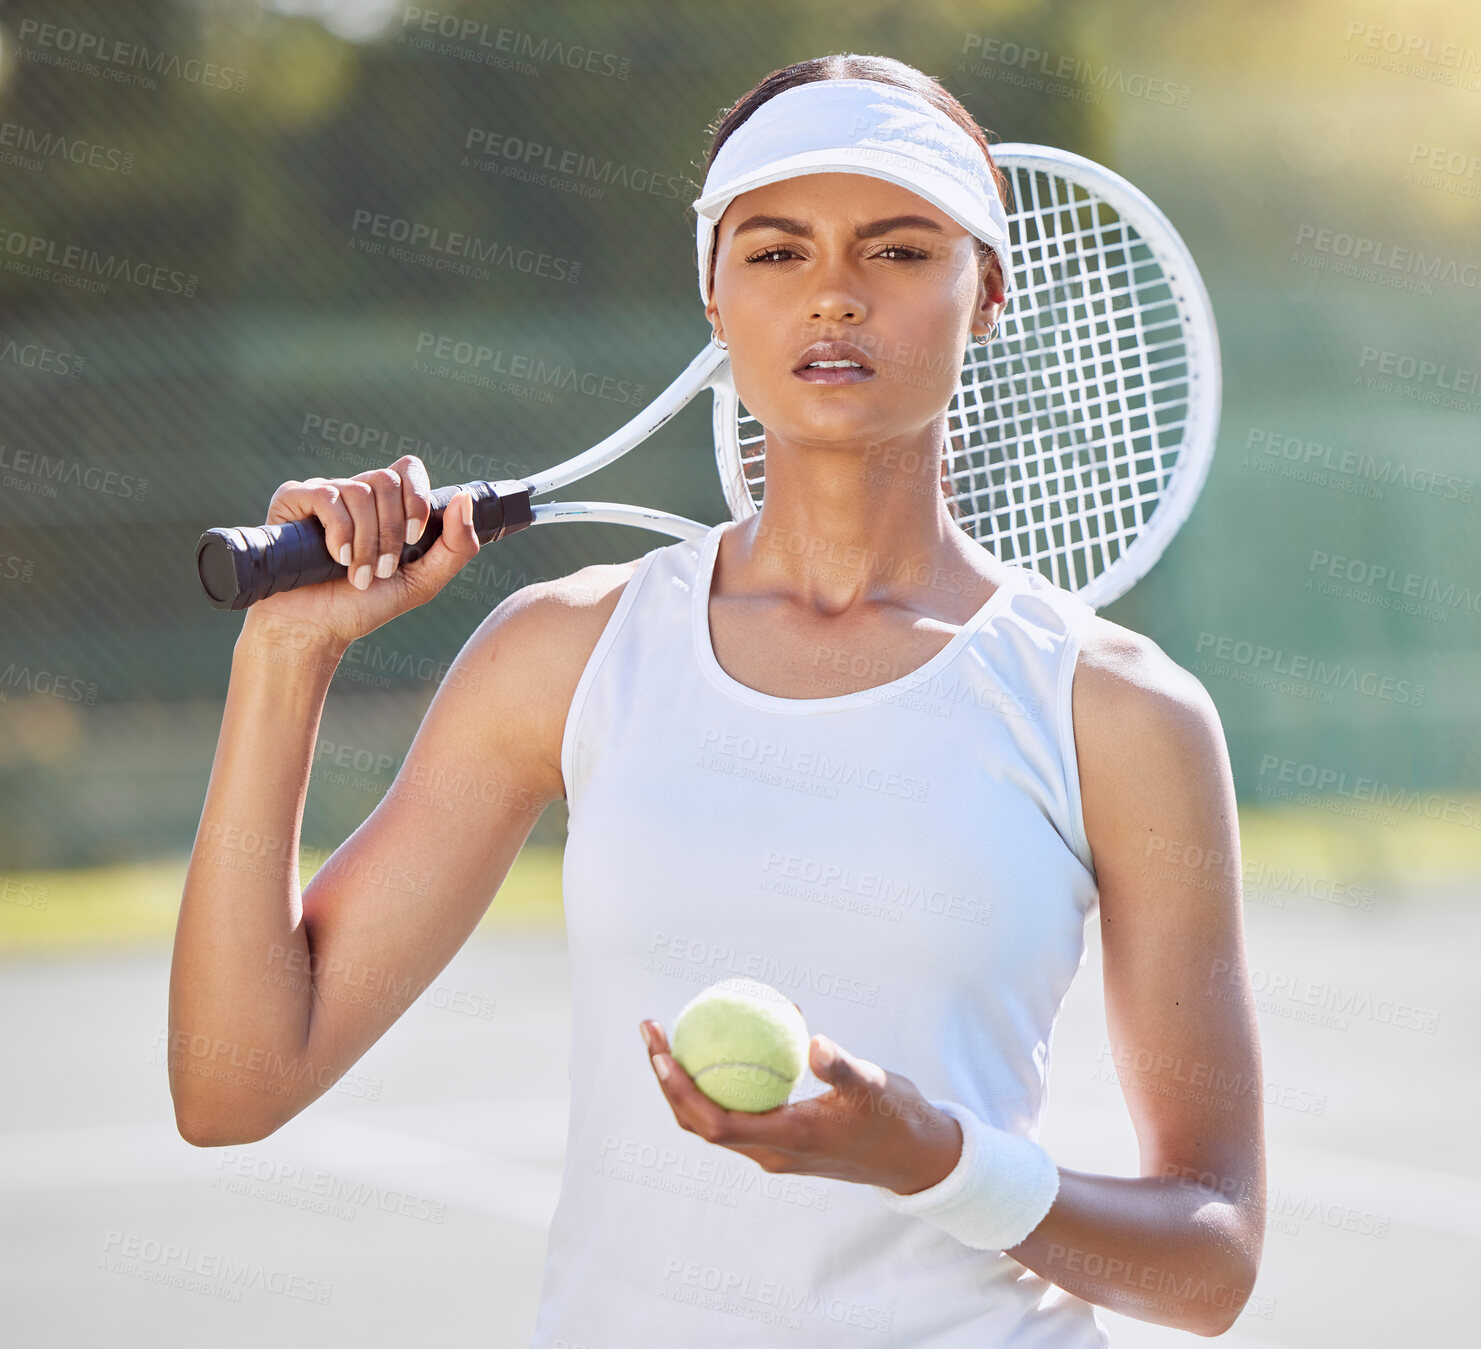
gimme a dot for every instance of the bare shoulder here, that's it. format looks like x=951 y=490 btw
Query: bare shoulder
x=528 y=654
x=1141 y=721
x=571 y=605
x=1124 y=678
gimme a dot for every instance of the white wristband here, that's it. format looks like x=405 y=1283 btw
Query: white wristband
x=999 y=1191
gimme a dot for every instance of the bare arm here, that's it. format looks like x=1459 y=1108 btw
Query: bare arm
x=401 y=895
x=275 y=993
x=1180 y=1245
x=226 y=1019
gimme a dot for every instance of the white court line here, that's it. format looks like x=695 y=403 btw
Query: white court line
x=1438 y=1201
x=396 y=1146
x=101 y=1156
x=1129 y=1333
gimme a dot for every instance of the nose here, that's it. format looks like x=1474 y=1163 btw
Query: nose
x=836 y=294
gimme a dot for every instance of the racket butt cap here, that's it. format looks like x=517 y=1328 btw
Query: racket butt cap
x=216 y=563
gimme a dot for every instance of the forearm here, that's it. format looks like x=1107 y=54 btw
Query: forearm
x=1164 y=1249
x=240 y=990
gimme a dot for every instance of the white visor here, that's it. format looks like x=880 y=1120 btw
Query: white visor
x=855 y=126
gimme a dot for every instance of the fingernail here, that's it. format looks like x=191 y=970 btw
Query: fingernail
x=661 y=1063
x=647 y=1036
x=344 y=555
x=361 y=579
x=385 y=565
x=468 y=509
x=413 y=530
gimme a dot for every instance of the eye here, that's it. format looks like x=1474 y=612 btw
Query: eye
x=903 y=251
x=766 y=253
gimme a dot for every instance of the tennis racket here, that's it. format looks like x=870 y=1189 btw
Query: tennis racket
x=1078 y=440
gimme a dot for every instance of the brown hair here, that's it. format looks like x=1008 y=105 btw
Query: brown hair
x=848 y=66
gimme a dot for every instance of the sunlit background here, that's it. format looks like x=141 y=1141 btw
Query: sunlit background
x=225 y=164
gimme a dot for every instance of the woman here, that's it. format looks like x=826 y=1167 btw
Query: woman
x=839 y=747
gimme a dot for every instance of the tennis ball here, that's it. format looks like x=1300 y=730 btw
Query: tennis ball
x=743 y=1043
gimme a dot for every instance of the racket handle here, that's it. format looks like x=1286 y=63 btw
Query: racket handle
x=239 y=566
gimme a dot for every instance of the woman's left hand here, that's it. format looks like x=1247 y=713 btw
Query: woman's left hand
x=874 y=1127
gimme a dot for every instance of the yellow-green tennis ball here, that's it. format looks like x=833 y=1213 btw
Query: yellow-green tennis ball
x=743 y=1043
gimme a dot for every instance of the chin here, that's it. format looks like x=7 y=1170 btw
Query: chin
x=825 y=424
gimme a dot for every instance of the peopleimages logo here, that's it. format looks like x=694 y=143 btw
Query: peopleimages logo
x=121 y=61
x=41 y=358
x=1349 y=470
x=1067 y=70
x=726 y=747
x=460 y=253
x=1233 y=657
x=1319 y=780
x=768 y=1301
x=524 y=367
x=473 y=40
x=46 y=682
x=1375 y=260
x=192 y=1270
x=1443 y=61
x=40 y=474
x=33 y=255
x=317 y=1191
x=31 y=149
x=874 y=893
x=567 y=170
x=1436 y=383
x=1382 y=581
x=700 y=961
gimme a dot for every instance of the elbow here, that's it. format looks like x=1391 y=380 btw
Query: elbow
x=212 y=1129
x=1220 y=1316
x=218 y=1115
x=208 y=1133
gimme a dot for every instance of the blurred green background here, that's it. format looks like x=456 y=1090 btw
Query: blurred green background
x=229 y=179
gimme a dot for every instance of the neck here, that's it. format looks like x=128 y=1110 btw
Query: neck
x=840 y=524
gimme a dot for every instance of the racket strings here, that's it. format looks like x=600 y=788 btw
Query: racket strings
x=1067 y=433
x=1066 y=429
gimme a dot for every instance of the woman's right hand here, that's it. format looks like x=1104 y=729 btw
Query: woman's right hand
x=366 y=519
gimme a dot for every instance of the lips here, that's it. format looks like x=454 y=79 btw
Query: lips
x=833 y=374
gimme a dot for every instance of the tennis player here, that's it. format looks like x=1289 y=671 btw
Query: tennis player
x=837 y=746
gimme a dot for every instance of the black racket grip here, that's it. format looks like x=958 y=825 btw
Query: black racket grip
x=239 y=566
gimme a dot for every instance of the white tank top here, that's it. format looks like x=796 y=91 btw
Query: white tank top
x=908 y=863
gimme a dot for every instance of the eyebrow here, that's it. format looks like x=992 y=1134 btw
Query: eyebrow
x=800 y=227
